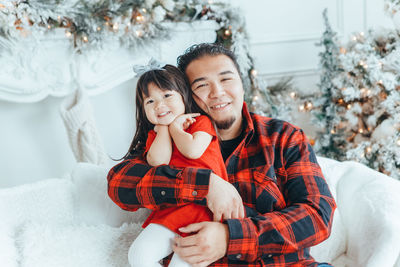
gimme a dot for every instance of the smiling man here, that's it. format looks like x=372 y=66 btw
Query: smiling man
x=272 y=171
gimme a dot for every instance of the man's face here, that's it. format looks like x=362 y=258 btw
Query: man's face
x=218 y=90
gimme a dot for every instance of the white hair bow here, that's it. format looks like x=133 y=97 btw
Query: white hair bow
x=152 y=65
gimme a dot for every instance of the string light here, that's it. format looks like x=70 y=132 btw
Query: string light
x=115 y=26
x=68 y=34
x=228 y=32
x=2 y=6
x=368 y=150
x=343 y=50
x=348 y=106
x=139 y=33
x=301 y=107
x=333 y=131
x=360 y=130
x=85 y=39
x=139 y=18
x=293 y=95
x=49 y=27
x=398 y=142
x=98 y=28
x=253 y=72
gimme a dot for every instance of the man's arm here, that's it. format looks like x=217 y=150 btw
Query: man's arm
x=134 y=184
x=304 y=222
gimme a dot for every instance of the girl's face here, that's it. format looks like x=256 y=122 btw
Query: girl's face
x=162 y=106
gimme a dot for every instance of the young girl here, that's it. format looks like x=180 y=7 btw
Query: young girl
x=166 y=133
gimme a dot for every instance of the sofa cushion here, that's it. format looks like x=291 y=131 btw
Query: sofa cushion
x=92 y=204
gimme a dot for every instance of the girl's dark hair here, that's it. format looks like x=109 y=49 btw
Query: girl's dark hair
x=167 y=78
x=198 y=51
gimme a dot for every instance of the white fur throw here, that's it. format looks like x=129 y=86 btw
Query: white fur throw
x=44 y=245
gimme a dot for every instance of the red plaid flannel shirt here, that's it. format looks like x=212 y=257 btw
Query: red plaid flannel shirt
x=289 y=207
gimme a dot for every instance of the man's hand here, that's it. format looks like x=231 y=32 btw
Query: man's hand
x=224 y=200
x=207 y=245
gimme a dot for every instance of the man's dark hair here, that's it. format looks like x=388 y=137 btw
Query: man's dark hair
x=198 y=51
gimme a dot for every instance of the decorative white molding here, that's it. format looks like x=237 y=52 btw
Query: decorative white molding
x=295 y=73
x=34 y=69
x=305 y=36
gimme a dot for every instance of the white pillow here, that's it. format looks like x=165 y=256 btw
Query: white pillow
x=92 y=203
x=49 y=201
x=46 y=245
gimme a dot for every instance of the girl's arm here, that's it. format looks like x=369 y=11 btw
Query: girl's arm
x=191 y=146
x=161 y=149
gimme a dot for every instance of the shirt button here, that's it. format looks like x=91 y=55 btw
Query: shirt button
x=269 y=255
x=238 y=256
x=163 y=193
x=194 y=193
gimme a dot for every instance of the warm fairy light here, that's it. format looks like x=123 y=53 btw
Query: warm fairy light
x=309 y=105
x=293 y=95
x=59 y=18
x=354 y=38
x=144 y=10
x=255 y=98
x=333 y=131
x=363 y=91
x=341 y=101
x=115 y=26
x=368 y=150
x=348 y=106
x=139 y=18
x=85 y=39
x=380 y=82
x=380 y=64
x=301 y=108
x=68 y=33
x=49 y=27
x=253 y=72
x=227 y=32
x=98 y=28
x=362 y=33
x=398 y=142
x=343 y=50
x=139 y=33
x=360 y=130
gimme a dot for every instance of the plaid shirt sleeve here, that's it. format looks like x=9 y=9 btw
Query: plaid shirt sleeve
x=134 y=184
x=304 y=222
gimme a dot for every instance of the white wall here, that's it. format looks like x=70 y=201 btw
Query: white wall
x=34 y=144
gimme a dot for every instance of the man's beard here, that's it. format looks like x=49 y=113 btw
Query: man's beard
x=226 y=124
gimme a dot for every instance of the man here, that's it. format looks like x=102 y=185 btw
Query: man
x=276 y=204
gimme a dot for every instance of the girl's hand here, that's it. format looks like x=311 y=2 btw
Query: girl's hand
x=184 y=121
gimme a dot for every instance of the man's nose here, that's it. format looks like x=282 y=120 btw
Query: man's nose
x=217 y=90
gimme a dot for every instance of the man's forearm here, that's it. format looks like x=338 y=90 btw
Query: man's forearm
x=134 y=184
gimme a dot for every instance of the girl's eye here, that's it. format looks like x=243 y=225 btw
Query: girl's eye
x=149 y=101
x=167 y=95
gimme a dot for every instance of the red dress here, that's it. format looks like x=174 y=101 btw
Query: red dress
x=175 y=217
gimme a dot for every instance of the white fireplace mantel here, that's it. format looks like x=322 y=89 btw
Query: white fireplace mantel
x=32 y=70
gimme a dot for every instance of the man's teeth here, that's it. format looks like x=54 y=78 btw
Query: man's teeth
x=220 y=106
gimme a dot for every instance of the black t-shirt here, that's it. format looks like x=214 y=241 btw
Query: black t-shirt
x=228 y=146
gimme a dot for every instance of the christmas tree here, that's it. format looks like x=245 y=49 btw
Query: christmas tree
x=360 y=107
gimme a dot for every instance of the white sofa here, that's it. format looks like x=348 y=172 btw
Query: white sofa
x=70 y=221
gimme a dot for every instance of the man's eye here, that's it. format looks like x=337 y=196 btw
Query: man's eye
x=226 y=79
x=201 y=85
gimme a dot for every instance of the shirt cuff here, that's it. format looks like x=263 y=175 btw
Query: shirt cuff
x=194 y=185
x=243 y=241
